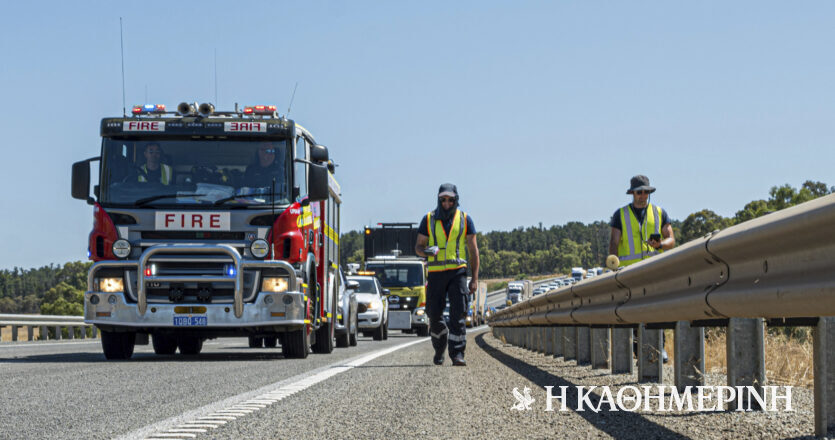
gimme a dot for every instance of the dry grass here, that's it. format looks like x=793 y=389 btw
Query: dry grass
x=788 y=360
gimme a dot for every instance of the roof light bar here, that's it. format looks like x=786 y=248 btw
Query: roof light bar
x=260 y=110
x=148 y=108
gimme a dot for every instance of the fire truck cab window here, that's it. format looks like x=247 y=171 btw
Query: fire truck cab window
x=398 y=275
x=195 y=172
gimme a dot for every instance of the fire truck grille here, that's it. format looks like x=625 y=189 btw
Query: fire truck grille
x=195 y=291
x=192 y=235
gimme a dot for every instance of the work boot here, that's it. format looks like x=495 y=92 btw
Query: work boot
x=459 y=361
x=439 y=357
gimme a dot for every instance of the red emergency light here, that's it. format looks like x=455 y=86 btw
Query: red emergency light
x=148 y=108
x=260 y=110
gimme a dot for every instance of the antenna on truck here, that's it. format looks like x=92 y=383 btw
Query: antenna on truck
x=292 y=97
x=122 y=44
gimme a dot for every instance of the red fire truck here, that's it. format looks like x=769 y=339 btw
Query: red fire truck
x=209 y=224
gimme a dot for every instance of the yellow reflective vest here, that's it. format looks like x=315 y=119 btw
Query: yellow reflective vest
x=165 y=173
x=452 y=252
x=633 y=245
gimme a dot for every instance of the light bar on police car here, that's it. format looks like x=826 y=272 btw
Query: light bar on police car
x=148 y=108
x=260 y=110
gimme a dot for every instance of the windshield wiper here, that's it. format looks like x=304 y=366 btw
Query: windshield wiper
x=242 y=196
x=146 y=200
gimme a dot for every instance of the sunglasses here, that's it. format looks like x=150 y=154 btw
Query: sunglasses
x=447 y=199
x=641 y=192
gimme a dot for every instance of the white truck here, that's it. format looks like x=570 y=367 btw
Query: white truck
x=578 y=273
x=519 y=291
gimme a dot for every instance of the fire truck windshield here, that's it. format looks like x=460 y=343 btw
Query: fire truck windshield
x=398 y=275
x=195 y=172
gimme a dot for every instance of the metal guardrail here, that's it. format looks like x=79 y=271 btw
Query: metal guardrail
x=56 y=322
x=780 y=267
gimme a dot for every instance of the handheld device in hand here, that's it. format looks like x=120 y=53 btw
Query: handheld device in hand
x=656 y=237
x=432 y=250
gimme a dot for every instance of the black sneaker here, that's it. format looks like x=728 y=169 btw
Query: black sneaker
x=459 y=361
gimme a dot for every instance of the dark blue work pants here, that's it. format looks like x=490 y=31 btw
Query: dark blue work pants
x=452 y=285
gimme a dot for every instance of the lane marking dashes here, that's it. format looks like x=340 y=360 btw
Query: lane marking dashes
x=217 y=414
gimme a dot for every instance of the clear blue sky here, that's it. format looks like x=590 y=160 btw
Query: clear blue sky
x=538 y=111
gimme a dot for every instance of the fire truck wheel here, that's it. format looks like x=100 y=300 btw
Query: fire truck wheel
x=256 y=342
x=294 y=344
x=190 y=345
x=324 y=339
x=270 y=341
x=164 y=344
x=118 y=345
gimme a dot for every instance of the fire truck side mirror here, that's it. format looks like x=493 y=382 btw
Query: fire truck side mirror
x=317 y=182
x=318 y=153
x=81 y=180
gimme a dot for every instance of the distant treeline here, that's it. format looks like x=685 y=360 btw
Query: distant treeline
x=58 y=290
x=536 y=250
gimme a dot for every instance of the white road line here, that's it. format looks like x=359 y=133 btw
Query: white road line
x=264 y=396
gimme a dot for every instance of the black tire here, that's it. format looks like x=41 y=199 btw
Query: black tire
x=190 y=345
x=379 y=333
x=324 y=339
x=270 y=341
x=294 y=344
x=344 y=340
x=423 y=331
x=164 y=344
x=118 y=345
x=385 y=331
x=255 y=342
x=365 y=334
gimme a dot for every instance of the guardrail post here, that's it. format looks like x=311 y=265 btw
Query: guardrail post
x=622 y=350
x=557 y=341
x=689 y=349
x=583 y=341
x=823 y=349
x=30 y=332
x=543 y=340
x=70 y=332
x=14 y=333
x=569 y=345
x=44 y=334
x=547 y=343
x=83 y=329
x=745 y=350
x=600 y=348
x=58 y=332
x=650 y=367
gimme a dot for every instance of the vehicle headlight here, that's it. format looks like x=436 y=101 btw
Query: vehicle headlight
x=420 y=312
x=259 y=248
x=121 y=248
x=274 y=284
x=111 y=285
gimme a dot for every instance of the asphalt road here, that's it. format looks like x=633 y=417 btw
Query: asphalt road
x=52 y=390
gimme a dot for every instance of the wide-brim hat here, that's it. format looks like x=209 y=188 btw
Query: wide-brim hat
x=638 y=183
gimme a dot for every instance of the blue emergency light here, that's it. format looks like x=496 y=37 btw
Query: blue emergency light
x=148 y=108
x=230 y=270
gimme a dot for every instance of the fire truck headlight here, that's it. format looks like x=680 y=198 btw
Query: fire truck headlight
x=121 y=248
x=274 y=284
x=259 y=248
x=420 y=312
x=111 y=285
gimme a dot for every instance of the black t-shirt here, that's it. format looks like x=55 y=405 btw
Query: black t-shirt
x=447 y=226
x=639 y=214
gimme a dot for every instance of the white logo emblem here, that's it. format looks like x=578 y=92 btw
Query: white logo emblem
x=523 y=403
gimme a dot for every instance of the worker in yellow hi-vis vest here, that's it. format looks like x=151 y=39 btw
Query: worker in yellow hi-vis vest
x=640 y=230
x=446 y=237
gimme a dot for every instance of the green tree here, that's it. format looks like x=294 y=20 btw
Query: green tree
x=700 y=223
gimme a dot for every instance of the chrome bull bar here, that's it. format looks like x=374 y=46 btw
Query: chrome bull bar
x=238 y=261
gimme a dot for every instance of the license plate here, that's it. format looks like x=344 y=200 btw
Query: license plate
x=400 y=320
x=190 y=321
x=394 y=306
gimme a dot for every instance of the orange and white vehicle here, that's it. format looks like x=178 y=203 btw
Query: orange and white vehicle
x=209 y=224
